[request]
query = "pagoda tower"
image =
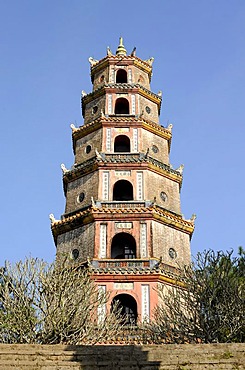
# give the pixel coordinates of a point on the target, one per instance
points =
(122, 217)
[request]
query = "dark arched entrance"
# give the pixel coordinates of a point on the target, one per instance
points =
(128, 306)
(121, 76)
(123, 191)
(123, 246)
(122, 106)
(122, 144)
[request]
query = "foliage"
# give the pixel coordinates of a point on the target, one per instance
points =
(58, 303)
(208, 306)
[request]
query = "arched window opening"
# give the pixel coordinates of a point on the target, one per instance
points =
(121, 76)
(122, 106)
(128, 307)
(123, 191)
(123, 246)
(122, 144)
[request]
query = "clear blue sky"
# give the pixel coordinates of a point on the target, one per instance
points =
(199, 51)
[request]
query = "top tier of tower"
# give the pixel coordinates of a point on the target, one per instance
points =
(121, 86)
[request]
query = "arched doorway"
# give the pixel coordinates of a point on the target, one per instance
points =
(121, 76)
(123, 191)
(123, 246)
(122, 144)
(128, 306)
(122, 106)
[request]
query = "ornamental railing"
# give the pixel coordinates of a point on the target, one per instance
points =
(135, 264)
(126, 263)
(121, 204)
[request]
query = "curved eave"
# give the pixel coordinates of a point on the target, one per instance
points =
(94, 213)
(149, 276)
(114, 59)
(115, 88)
(91, 166)
(150, 126)
(94, 164)
(84, 130)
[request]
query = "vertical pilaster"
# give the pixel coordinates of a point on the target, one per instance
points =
(145, 299)
(143, 240)
(103, 237)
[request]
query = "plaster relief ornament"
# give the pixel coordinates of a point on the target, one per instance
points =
(193, 217)
(92, 61)
(150, 61)
(147, 153)
(133, 52)
(63, 167)
(180, 169)
(98, 156)
(52, 218)
(170, 126)
(73, 127)
(109, 52)
(93, 202)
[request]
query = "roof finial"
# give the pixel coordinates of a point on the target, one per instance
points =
(121, 49)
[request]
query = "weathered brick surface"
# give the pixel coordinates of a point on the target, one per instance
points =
(88, 185)
(153, 141)
(153, 115)
(153, 357)
(93, 139)
(165, 237)
(81, 238)
(154, 184)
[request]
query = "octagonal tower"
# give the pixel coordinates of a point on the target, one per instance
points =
(123, 216)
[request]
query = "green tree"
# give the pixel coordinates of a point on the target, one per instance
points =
(207, 304)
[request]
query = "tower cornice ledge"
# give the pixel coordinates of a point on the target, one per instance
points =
(114, 87)
(131, 160)
(107, 213)
(106, 121)
(127, 59)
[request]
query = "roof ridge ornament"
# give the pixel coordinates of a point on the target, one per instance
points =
(109, 52)
(150, 61)
(121, 49)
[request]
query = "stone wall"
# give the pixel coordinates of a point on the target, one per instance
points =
(151, 357)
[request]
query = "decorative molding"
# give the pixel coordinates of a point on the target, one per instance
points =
(105, 185)
(108, 139)
(102, 306)
(143, 240)
(103, 237)
(124, 225)
(135, 140)
(109, 107)
(140, 190)
(145, 303)
(122, 173)
(123, 286)
(132, 104)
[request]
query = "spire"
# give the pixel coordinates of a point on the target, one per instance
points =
(121, 49)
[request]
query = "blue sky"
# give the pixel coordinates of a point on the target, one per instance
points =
(199, 51)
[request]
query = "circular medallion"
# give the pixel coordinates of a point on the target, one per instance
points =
(88, 149)
(148, 110)
(95, 109)
(155, 149)
(75, 254)
(172, 253)
(80, 197)
(163, 196)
